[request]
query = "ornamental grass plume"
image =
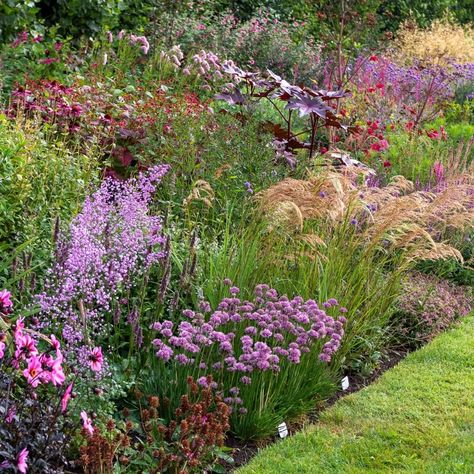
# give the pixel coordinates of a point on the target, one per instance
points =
(429, 223)
(110, 246)
(443, 43)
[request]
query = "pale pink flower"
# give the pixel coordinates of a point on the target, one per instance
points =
(54, 342)
(10, 414)
(2, 349)
(54, 372)
(18, 329)
(87, 423)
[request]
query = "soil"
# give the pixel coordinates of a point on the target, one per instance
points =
(243, 452)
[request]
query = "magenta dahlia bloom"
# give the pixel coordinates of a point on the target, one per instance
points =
(6, 304)
(96, 359)
(21, 465)
(66, 397)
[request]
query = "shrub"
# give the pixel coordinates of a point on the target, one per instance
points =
(263, 41)
(32, 56)
(15, 16)
(81, 17)
(428, 306)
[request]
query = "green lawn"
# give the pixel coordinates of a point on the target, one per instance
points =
(418, 418)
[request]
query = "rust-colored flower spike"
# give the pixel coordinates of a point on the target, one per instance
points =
(185, 403)
(145, 414)
(138, 395)
(110, 425)
(371, 19)
(184, 425)
(154, 401)
(124, 460)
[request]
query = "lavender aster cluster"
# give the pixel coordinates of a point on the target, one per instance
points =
(243, 336)
(113, 241)
(406, 87)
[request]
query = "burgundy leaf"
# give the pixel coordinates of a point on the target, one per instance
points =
(235, 98)
(309, 105)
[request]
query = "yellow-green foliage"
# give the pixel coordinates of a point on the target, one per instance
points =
(39, 180)
(442, 42)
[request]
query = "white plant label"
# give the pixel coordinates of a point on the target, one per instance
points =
(283, 430)
(345, 383)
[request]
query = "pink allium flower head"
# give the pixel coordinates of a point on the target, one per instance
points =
(87, 423)
(2, 349)
(21, 461)
(66, 397)
(96, 359)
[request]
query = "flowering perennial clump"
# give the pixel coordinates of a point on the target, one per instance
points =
(111, 242)
(34, 400)
(243, 336)
(429, 305)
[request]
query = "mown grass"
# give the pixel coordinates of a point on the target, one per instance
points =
(417, 418)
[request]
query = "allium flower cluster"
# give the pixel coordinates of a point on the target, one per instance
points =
(243, 336)
(113, 241)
